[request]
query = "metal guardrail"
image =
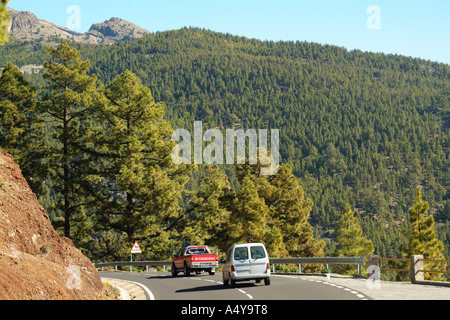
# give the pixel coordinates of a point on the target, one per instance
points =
(327, 260)
(300, 261)
(319, 260)
(133, 264)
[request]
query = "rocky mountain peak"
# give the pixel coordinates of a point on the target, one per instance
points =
(26, 26)
(118, 29)
(22, 20)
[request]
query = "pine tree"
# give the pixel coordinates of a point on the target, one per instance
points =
(138, 186)
(349, 235)
(68, 101)
(4, 19)
(288, 230)
(248, 221)
(82, 232)
(350, 239)
(205, 215)
(290, 212)
(21, 132)
(423, 239)
(17, 109)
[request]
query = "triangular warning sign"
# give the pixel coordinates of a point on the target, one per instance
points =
(136, 248)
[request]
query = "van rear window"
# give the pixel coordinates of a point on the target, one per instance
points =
(257, 252)
(241, 253)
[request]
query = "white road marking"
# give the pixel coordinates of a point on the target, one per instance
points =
(362, 297)
(359, 295)
(283, 276)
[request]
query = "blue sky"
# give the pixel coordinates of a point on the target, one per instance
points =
(410, 28)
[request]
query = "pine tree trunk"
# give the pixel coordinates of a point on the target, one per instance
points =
(66, 177)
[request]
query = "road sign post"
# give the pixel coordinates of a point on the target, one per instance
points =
(135, 249)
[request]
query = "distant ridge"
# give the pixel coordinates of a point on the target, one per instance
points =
(26, 26)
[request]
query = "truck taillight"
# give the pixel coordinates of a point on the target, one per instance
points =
(267, 266)
(232, 268)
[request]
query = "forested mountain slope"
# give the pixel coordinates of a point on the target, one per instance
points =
(359, 128)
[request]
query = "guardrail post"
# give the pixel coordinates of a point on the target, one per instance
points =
(360, 265)
(416, 267)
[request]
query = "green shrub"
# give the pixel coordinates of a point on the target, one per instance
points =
(45, 249)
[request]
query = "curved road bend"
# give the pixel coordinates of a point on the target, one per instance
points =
(205, 287)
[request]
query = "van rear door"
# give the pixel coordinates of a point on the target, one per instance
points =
(241, 260)
(258, 259)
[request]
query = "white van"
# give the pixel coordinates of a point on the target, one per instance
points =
(245, 262)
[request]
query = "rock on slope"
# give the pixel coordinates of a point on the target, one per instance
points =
(35, 261)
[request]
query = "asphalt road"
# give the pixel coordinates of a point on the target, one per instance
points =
(205, 287)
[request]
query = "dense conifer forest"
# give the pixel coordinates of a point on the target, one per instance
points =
(359, 130)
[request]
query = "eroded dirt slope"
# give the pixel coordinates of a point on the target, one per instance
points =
(35, 262)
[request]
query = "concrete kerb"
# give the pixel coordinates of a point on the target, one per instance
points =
(130, 290)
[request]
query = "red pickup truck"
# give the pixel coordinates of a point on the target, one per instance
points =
(195, 259)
